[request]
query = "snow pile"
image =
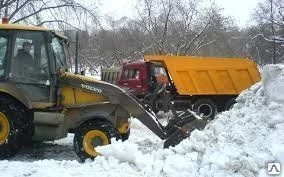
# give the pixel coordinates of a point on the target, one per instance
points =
(273, 81)
(239, 142)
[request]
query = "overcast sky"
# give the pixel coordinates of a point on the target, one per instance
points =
(240, 10)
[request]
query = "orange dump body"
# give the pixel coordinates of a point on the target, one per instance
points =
(208, 76)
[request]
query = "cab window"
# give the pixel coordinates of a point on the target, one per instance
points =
(3, 53)
(58, 51)
(67, 57)
(29, 58)
(130, 74)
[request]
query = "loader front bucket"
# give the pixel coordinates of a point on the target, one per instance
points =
(178, 128)
(186, 127)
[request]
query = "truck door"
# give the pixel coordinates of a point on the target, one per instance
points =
(131, 79)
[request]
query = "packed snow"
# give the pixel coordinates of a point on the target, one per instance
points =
(239, 142)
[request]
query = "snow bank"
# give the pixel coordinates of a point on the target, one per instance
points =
(239, 142)
(273, 81)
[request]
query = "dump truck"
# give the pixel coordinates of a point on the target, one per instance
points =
(41, 99)
(205, 85)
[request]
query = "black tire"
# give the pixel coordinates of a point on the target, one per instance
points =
(99, 132)
(229, 104)
(206, 107)
(125, 136)
(20, 127)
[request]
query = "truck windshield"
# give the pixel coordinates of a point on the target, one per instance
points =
(160, 70)
(3, 53)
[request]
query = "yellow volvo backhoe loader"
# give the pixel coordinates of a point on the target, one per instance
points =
(41, 100)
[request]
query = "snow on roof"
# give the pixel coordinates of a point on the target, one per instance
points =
(22, 27)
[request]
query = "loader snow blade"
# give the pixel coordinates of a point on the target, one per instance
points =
(178, 128)
(176, 138)
(185, 131)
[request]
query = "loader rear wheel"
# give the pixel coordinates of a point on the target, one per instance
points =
(4, 128)
(15, 127)
(90, 135)
(206, 107)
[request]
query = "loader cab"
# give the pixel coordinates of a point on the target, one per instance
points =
(30, 58)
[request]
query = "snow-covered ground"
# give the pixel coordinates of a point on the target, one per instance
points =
(239, 142)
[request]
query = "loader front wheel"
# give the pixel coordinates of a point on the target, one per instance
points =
(91, 135)
(206, 107)
(15, 127)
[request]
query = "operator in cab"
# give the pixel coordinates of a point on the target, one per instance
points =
(24, 60)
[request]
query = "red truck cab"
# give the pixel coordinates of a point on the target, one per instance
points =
(137, 77)
(134, 77)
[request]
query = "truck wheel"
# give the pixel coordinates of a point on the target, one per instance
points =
(15, 127)
(90, 135)
(229, 104)
(206, 107)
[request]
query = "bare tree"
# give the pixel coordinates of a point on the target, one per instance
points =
(175, 27)
(39, 12)
(179, 27)
(268, 34)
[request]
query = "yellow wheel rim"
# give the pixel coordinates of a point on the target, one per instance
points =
(93, 139)
(4, 128)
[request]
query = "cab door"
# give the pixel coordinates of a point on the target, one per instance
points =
(34, 79)
(59, 56)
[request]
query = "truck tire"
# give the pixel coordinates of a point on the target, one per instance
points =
(229, 104)
(90, 135)
(206, 107)
(16, 127)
